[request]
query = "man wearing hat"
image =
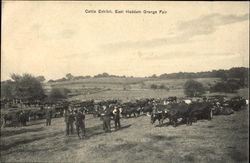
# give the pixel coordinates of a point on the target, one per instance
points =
(69, 120)
(80, 124)
(105, 116)
(116, 113)
(48, 116)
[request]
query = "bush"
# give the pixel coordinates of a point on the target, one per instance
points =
(58, 93)
(193, 88)
(162, 86)
(229, 86)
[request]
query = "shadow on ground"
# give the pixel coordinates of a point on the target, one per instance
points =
(27, 139)
(21, 131)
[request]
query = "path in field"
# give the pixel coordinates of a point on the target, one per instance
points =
(224, 139)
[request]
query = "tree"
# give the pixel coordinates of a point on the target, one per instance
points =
(69, 76)
(229, 86)
(41, 78)
(103, 75)
(58, 94)
(153, 76)
(7, 90)
(193, 88)
(27, 88)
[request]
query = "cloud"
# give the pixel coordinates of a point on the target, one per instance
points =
(208, 24)
(185, 31)
(177, 55)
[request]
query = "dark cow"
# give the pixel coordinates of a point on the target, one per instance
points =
(172, 99)
(142, 102)
(89, 106)
(176, 111)
(147, 109)
(173, 112)
(129, 109)
(222, 109)
(199, 110)
(237, 103)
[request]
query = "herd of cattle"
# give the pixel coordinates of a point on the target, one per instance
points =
(176, 110)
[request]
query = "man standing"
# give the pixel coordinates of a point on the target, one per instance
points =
(22, 118)
(69, 120)
(80, 124)
(116, 113)
(48, 116)
(106, 119)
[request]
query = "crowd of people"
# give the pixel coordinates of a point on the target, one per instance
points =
(77, 116)
(113, 110)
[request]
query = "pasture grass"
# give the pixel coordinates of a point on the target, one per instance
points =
(224, 139)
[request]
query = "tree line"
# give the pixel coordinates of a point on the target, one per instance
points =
(69, 77)
(235, 72)
(29, 89)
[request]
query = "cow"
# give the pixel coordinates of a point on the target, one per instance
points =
(237, 103)
(172, 99)
(176, 111)
(222, 109)
(127, 112)
(129, 109)
(226, 110)
(147, 109)
(173, 112)
(188, 101)
(199, 110)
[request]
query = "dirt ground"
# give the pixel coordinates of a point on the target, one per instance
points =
(224, 139)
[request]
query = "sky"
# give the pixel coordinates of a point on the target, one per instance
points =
(56, 38)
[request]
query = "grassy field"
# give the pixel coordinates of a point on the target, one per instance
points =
(129, 83)
(224, 139)
(125, 88)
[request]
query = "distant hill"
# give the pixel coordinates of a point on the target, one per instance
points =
(235, 72)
